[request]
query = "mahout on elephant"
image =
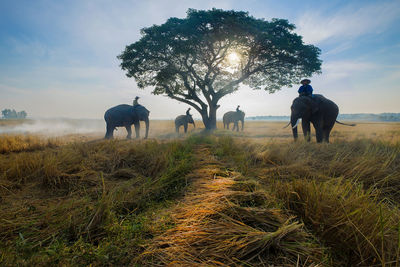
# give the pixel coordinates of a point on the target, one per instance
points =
(234, 117)
(124, 116)
(319, 111)
(184, 120)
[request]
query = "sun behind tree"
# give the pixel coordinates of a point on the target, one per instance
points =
(207, 55)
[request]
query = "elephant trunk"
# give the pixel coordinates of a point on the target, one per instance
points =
(146, 121)
(242, 124)
(294, 122)
(194, 125)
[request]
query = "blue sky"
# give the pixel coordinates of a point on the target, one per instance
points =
(58, 58)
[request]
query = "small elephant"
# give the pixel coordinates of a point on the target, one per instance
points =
(318, 110)
(183, 120)
(125, 116)
(233, 117)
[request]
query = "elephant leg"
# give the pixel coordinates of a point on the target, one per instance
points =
(227, 125)
(305, 124)
(326, 133)
(185, 126)
(176, 128)
(234, 126)
(237, 126)
(109, 132)
(319, 134)
(129, 130)
(319, 130)
(137, 129)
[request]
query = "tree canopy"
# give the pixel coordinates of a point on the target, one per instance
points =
(207, 55)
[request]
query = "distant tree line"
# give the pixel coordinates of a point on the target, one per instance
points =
(351, 117)
(12, 114)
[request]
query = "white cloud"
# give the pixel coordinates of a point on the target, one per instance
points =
(349, 22)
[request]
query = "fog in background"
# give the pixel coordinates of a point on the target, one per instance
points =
(55, 127)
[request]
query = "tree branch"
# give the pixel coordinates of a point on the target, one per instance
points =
(171, 95)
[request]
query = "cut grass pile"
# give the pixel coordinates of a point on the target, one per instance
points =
(220, 222)
(87, 203)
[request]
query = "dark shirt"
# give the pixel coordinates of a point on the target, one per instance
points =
(305, 90)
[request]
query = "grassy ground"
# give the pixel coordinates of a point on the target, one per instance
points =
(247, 198)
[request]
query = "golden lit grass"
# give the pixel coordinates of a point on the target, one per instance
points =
(352, 221)
(215, 224)
(101, 202)
(85, 194)
(13, 122)
(17, 143)
(346, 193)
(261, 131)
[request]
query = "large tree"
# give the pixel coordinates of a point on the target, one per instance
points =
(207, 55)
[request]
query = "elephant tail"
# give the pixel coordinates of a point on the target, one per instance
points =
(353, 124)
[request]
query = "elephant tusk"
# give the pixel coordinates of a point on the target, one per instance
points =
(286, 125)
(297, 123)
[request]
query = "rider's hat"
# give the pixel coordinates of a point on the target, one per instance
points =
(307, 81)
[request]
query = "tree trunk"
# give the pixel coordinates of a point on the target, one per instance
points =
(210, 118)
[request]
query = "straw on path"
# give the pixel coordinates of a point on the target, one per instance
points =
(218, 225)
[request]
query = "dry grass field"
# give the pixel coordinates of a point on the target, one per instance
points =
(252, 198)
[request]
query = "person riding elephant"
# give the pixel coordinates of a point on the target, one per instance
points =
(234, 117)
(318, 110)
(305, 89)
(184, 120)
(135, 102)
(124, 116)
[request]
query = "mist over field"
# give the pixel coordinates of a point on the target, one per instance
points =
(54, 127)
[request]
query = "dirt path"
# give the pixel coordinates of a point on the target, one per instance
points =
(223, 221)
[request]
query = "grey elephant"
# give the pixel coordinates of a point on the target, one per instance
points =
(318, 110)
(233, 117)
(125, 116)
(183, 120)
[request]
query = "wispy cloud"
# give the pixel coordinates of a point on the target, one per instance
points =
(345, 68)
(348, 22)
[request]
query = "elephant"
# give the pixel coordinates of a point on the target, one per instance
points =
(235, 117)
(183, 120)
(318, 110)
(124, 116)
